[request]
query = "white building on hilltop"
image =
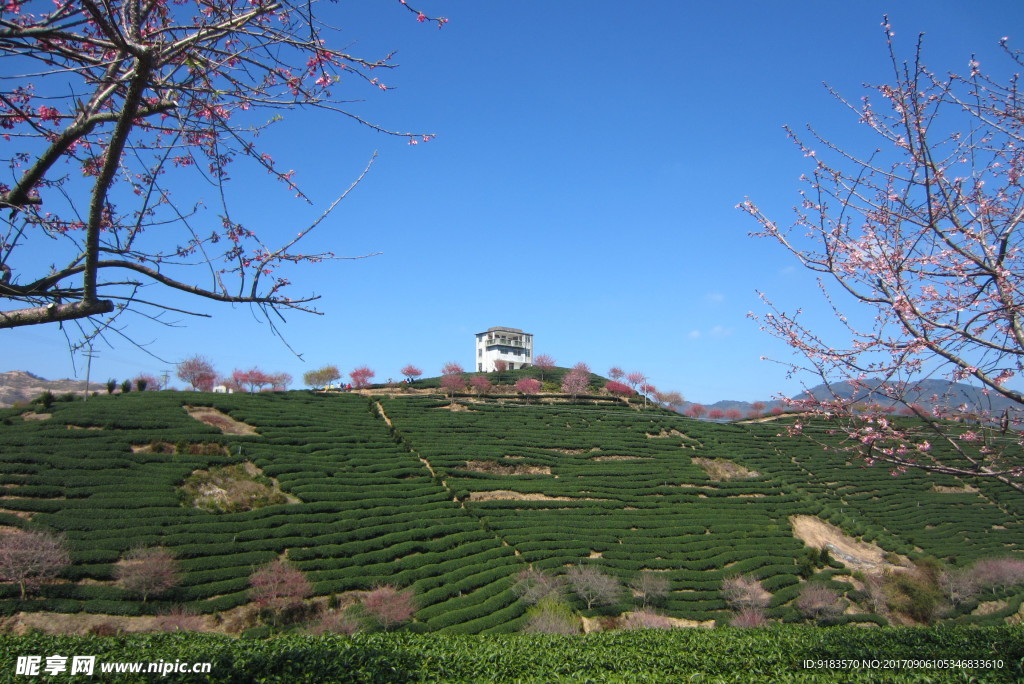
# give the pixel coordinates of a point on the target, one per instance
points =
(510, 345)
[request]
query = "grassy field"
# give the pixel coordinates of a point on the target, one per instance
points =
(790, 653)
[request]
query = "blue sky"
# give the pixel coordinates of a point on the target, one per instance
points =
(582, 187)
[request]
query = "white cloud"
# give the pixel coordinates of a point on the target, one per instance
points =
(714, 298)
(715, 332)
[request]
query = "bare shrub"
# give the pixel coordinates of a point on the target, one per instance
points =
(534, 585)
(744, 591)
(552, 616)
(748, 618)
(278, 589)
(148, 572)
(104, 629)
(646, 619)
(818, 601)
(650, 587)
(338, 622)
(180, 619)
(959, 585)
(31, 559)
(998, 574)
(915, 594)
(594, 586)
(388, 605)
(874, 586)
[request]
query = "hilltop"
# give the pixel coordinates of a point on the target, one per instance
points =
(21, 386)
(454, 504)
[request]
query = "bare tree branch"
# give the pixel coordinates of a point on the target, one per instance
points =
(923, 234)
(139, 94)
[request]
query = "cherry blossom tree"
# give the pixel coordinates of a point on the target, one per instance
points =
(279, 381)
(389, 605)
(618, 389)
(481, 384)
(31, 559)
(716, 414)
(109, 107)
(253, 379)
(616, 373)
(916, 244)
(648, 390)
(635, 379)
(231, 384)
(279, 588)
(757, 409)
(452, 368)
(197, 371)
(452, 379)
(361, 377)
(733, 414)
(545, 362)
(528, 387)
(696, 411)
(452, 383)
(411, 372)
(148, 571)
(575, 382)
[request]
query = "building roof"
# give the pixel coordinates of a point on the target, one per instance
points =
(500, 328)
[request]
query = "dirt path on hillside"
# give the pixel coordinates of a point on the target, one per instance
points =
(222, 421)
(853, 553)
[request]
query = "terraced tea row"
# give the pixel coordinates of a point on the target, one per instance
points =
(454, 504)
(367, 511)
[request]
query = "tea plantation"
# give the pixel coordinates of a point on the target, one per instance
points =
(455, 503)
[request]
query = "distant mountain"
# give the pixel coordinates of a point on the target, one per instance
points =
(927, 393)
(18, 386)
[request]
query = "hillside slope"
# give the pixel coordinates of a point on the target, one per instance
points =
(456, 503)
(19, 386)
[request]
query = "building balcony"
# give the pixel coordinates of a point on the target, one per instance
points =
(506, 342)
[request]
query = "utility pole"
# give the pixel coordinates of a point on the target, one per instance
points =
(167, 375)
(88, 369)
